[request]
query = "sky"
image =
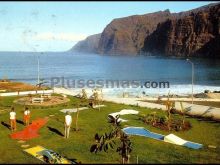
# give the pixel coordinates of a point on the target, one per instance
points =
(57, 26)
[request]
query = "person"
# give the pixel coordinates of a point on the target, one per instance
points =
(13, 119)
(68, 121)
(26, 116)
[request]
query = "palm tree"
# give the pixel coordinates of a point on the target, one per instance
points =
(144, 117)
(39, 85)
(168, 106)
(84, 95)
(107, 140)
(125, 148)
(95, 98)
(183, 113)
(153, 120)
(114, 121)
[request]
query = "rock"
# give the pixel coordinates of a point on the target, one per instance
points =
(191, 33)
(127, 35)
(196, 34)
(90, 44)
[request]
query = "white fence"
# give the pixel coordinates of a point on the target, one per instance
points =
(26, 93)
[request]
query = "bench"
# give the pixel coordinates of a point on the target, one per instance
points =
(37, 100)
(46, 95)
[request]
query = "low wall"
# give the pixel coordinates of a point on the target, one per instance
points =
(26, 93)
(199, 110)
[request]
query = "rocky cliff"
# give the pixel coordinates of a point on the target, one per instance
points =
(127, 35)
(190, 33)
(196, 34)
(90, 44)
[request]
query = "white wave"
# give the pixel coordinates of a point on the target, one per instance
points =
(184, 89)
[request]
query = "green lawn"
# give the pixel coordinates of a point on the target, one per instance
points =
(92, 121)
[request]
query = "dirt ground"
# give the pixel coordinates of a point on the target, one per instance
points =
(54, 100)
(17, 86)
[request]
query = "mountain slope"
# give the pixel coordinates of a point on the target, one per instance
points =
(191, 35)
(90, 44)
(127, 35)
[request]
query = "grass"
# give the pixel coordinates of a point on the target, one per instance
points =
(91, 121)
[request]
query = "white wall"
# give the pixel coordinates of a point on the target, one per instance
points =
(26, 93)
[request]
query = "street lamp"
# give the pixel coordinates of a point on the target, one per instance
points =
(38, 70)
(38, 63)
(192, 76)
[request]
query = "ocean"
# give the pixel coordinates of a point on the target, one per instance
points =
(23, 66)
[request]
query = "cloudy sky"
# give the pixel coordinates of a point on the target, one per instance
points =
(57, 26)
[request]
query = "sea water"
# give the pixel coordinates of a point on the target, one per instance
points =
(23, 66)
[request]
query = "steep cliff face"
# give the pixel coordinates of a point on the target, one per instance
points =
(127, 35)
(196, 34)
(90, 44)
(190, 33)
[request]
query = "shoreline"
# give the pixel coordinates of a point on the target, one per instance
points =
(121, 94)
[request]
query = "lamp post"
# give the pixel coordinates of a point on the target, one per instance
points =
(192, 76)
(38, 70)
(38, 63)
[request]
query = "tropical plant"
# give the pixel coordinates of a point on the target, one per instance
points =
(144, 118)
(95, 98)
(153, 119)
(84, 96)
(162, 119)
(125, 148)
(183, 113)
(107, 140)
(116, 124)
(168, 106)
(39, 85)
(114, 120)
